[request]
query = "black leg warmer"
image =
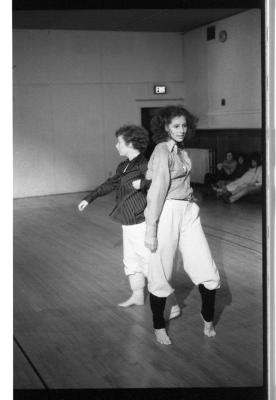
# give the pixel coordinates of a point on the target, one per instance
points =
(208, 303)
(157, 305)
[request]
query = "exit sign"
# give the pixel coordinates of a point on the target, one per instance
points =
(160, 89)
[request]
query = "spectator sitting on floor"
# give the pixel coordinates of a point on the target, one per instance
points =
(250, 182)
(241, 168)
(224, 170)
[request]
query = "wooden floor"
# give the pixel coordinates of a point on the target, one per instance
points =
(68, 278)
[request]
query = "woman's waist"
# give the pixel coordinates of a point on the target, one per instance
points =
(182, 192)
(189, 197)
(177, 175)
(134, 200)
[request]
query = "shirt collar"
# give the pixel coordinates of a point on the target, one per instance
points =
(135, 159)
(171, 144)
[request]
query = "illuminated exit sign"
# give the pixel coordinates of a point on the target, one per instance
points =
(160, 89)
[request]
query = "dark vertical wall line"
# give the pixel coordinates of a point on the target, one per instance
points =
(264, 210)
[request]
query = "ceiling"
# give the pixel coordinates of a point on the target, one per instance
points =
(143, 20)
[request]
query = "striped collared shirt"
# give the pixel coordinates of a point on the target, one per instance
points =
(130, 203)
(169, 171)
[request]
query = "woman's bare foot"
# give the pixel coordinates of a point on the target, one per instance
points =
(209, 329)
(161, 336)
(134, 300)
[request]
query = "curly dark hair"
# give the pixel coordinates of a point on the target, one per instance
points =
(137, 135)
(164, 117)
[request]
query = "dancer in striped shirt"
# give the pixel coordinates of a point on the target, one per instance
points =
(132, 142)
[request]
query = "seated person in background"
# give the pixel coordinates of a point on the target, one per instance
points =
(250, 182)
(241, 169)
(242, 166)
(227, 167)
(224, 170)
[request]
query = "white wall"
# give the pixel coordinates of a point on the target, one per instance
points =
(231, 70)
(72, 90)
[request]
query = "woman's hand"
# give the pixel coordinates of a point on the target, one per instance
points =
(137, 184)
(83, 204)
(151, 243)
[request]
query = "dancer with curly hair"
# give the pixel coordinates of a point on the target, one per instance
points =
(132, 141)
(172, 220)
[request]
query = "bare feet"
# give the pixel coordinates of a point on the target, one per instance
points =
(175, 312)
(209, 329)
(134, 300)
(162, 337)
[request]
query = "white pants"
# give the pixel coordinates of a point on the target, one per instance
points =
(136, 255)
(179, 225)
